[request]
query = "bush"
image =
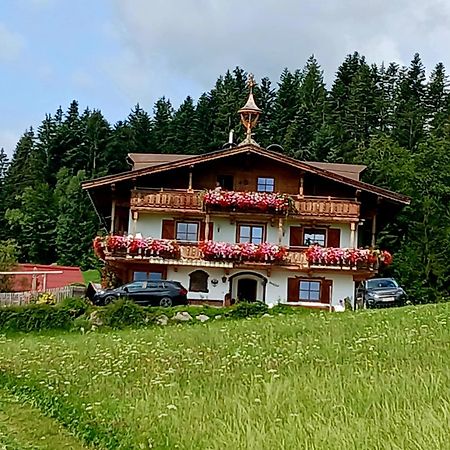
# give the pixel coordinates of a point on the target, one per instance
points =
(123, 313)
(244, 309)
(35, 317)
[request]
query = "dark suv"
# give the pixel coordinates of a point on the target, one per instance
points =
(145, 293)
(380, 292)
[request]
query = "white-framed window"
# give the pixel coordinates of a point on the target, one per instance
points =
(187, 231)
(251, 233)
(309, 290)
(265, 184)
(314, 236)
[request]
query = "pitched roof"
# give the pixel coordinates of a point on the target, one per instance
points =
(248, 148)
(142, 160)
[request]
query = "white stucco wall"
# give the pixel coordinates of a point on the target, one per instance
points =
(276, 286)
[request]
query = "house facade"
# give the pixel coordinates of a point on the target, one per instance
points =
(244, 223)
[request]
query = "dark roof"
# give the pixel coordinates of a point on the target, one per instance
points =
(336, 175)
(142, 160)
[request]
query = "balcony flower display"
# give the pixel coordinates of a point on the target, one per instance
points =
(353, 257)
(242, 252)
(163, 248)
(255, 201)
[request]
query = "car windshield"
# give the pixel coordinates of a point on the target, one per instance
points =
(378, 283)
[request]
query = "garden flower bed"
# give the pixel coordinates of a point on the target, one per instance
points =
(254, 201)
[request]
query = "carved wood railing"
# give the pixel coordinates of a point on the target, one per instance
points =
(184, 200)
(326, 207)
(153, 199)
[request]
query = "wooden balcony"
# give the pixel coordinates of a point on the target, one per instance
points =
(332, 209)
(155, 200)
(191, 255)
(337, 209)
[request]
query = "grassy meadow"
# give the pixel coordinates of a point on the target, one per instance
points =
(375, 379)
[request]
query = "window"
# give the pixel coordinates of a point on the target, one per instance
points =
(226, 182)
(187, 231)
(309, 290)
(251, 233)
(314, 236)
(136, 286)
(147, 276)
(265, 184)
(198, 281)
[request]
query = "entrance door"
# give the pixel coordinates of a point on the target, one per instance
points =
(246, 288)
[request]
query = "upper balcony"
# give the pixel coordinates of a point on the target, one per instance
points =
(230, 202)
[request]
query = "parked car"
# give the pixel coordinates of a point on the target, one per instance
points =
(380, 292)
(156, 293)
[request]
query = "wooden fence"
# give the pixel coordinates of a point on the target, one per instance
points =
(23, 298)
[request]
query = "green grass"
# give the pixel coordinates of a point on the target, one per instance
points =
(375, 379)
(91, 275)
(23, 427)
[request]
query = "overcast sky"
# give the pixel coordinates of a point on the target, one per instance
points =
(111, 54)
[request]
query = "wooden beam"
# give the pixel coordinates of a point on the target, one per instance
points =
(374, 230)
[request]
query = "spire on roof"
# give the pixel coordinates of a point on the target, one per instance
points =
(249, 113)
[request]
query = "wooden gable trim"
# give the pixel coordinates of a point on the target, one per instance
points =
(249, 148)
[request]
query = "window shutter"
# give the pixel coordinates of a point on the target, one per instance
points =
(334, 237)
(293, 292)
(295, 236)
(202, 231)
(211, 231)
(325, 295)
(168, 229)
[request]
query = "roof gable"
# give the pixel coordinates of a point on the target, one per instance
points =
(313, 167)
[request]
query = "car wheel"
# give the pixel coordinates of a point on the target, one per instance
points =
(165, 302)
(109, 299)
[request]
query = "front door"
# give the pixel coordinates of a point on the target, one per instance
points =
(246, 288)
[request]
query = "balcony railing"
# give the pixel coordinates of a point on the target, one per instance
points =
(193, 201)
(235, 255)
(166, 200)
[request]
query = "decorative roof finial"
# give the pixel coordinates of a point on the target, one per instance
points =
(249, 113)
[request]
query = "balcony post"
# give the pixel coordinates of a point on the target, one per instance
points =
(374, 230)
(113, 208)
(190, 179)
(300, 189)
(206, 228)
(135, 219)
(352, 234)
(280, 230)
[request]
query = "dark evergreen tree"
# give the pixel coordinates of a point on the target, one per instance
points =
(437, 99)
(4, 162)
(76, 224)
(410, 113)
(142, 139)
(162, 126)
(185, 128)
(265, 98)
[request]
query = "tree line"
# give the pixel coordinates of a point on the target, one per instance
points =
(393, 119)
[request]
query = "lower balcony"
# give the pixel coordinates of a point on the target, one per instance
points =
(228, 255)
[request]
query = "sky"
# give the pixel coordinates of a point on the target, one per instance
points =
(112, 54)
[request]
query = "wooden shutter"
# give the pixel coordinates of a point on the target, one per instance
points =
(325, 294)
(168, 229)
(334, 237)
(295, 236)
(293, 294)
(201, 236)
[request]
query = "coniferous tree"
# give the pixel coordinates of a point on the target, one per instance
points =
(76, 224)
(410, 113)
(437, 98)
(142, 139)
(162, 129)
(4, 162)
(185, 128)
(265, 98)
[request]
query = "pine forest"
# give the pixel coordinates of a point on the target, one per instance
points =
(395, 120)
